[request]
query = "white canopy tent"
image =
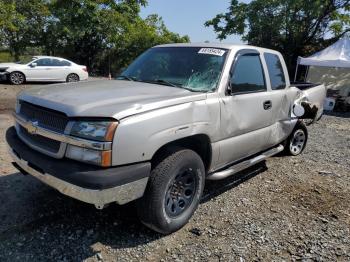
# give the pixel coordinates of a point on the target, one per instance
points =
(336, 55)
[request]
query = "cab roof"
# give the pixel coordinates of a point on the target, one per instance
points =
(218, 45)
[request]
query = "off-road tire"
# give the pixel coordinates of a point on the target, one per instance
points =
(152, 208)
(296, 142)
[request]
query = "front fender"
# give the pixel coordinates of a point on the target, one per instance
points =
(138, 137)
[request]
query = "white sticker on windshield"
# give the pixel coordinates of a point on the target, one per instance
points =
(212, 51)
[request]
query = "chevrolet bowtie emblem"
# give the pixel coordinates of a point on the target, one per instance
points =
(32, 127)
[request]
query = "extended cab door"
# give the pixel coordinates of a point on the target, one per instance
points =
(281, 95)
(246, 109)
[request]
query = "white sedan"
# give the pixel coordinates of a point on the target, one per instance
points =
(44, 69)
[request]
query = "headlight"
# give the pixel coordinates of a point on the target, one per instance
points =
(96, 157)
(94, 130)
(3, 69)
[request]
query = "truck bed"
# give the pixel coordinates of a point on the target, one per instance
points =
(304, 85)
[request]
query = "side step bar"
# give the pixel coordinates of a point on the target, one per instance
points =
(245, 164)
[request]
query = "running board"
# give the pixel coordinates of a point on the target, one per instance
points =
(245, 164)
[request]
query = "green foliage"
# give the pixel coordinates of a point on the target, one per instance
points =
(97, 33)
(294, 27)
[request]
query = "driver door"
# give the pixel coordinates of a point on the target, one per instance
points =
(39, 70)
(246, 109)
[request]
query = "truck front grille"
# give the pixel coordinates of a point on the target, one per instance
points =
(47, 118)
(42, 142)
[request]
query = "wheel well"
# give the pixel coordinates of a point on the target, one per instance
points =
(73, 74)
(198, 143)
(16, 71)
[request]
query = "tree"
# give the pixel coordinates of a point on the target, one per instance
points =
(21, 23)
(97, 33)
(293, 27)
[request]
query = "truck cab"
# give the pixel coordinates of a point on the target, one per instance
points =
(178, 115)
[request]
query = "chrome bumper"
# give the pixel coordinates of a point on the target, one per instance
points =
(120, 194)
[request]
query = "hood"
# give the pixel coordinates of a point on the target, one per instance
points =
(107, 98)
(8, 64)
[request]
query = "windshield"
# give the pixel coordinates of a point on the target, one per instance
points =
(192, 68)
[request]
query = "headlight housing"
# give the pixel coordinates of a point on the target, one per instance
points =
(94, 130)
(91, 156)
(3, 69)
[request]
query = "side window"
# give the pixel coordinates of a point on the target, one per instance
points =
(43, 62)
(55, 62)
(275, 70)
(247, 75)
(64, 63)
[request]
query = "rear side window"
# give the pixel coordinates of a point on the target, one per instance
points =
(64, 63)
(43, 62)
(275, 70)
(247, 75)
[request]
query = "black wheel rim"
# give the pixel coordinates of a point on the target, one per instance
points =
(180, 193)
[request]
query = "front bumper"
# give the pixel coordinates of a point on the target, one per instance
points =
(3, 76)
(87, 183)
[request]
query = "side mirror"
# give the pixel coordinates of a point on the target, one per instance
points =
(298, 110)
(33, 65)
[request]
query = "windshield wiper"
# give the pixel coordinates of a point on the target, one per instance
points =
(165, 82)
(162, 82)
(129, 78)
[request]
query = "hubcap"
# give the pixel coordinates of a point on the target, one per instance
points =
(180, 193)
(297, 142)
(73, 78)
(17, 78)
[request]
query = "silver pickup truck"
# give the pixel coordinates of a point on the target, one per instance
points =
(178, 115)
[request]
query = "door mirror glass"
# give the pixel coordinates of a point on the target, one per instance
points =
(33, 65)
(298, 110)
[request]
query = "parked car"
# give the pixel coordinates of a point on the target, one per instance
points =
(43, 69)
(178, 115)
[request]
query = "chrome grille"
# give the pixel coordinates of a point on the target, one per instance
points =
(45, 143)
(50, 119)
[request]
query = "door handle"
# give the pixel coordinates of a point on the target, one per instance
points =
(267, 105)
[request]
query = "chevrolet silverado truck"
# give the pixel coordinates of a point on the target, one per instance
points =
(178, 115)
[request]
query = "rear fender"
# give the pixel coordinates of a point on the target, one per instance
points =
(312, 100)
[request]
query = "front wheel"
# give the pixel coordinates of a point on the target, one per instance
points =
(296, 142)
(17, 78)
(173, 192)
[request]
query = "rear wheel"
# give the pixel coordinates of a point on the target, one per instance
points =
(296, 142)
(173, 192)
(17, 78)
(72, 78)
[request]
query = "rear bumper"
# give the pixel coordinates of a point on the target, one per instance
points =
(87, 183)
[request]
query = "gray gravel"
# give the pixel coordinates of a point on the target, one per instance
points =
(289, 208)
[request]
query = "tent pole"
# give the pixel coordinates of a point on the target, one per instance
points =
(307, 72)
(296, 71)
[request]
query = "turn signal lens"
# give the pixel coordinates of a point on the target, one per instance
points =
(110, 131)
(106, 158)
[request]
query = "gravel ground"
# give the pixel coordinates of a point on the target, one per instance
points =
(289, 208)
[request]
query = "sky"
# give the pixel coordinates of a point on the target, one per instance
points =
(187, 17)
